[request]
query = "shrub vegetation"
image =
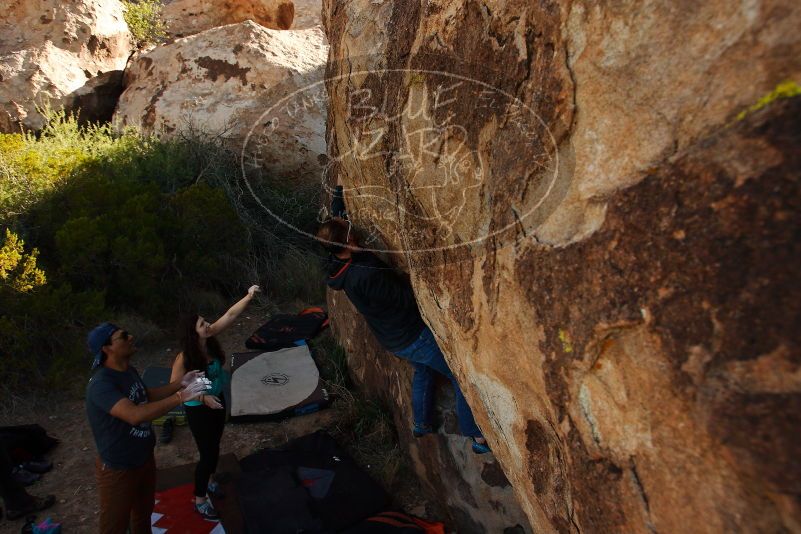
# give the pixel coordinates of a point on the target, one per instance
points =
(144, 21)
(96, 223)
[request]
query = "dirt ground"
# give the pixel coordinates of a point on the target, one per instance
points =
(72, 478)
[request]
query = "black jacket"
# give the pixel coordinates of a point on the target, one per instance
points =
(384, 298)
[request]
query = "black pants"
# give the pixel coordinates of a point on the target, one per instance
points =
(11, 491)
(206, 425)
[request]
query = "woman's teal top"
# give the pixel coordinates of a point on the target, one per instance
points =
(219, 379)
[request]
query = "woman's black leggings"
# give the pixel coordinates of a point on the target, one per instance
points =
(206, 425)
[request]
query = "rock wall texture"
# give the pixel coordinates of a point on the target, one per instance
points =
(222, 81)
(52, 52)
(602, 230)
(188, 17)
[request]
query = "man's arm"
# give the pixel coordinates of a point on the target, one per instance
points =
(108, 397)
(178, 379)
(136, 414)
(162, 392)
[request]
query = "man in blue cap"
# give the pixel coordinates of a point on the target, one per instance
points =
(120, 410)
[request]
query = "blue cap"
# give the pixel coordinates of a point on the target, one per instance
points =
(99, 337)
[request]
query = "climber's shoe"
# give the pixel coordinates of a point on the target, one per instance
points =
(421, 430)
(214, 490)
(480, 448)
(207, 511)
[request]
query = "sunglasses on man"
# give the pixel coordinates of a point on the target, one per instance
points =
(123, 335)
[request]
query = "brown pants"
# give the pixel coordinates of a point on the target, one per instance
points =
(126, 497)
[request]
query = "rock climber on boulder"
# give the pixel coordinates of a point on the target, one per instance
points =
(387, 302)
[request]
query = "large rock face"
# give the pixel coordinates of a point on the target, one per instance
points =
(225, 81)
(51, 52)
(188, 17)
(603, 235)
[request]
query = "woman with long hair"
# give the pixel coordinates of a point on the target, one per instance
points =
(200, 350)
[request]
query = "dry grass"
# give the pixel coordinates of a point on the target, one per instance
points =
(363, 426)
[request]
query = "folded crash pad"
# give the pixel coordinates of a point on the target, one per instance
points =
(314, 478)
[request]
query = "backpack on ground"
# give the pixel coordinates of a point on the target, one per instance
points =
(396, 523)
(283, 330)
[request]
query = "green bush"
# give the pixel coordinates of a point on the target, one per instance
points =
(144, 21)
(37, 328)
(128, 224)
(18, 270)
(31, 167)
(122, 223)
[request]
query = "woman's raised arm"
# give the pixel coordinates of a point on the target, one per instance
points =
(233, 312)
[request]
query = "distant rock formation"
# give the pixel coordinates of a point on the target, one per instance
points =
(51, 53)
(224, 81)
(308, 14)
(188, 17)
(601, 226)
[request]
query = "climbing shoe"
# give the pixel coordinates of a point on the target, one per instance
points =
(40, 466)
(214, 490)
(23, 476)
(421, 430)
(206, 510)
(35, 504)
(166, 431)
(479, 448)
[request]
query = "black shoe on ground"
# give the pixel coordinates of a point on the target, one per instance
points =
(214, 490)
(36, 504)
(38, 466)
(24, 477)
(166, 431)
(207, 511)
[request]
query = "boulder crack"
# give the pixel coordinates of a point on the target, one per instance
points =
(643, 494)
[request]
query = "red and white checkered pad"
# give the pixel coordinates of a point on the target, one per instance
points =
(175, 514)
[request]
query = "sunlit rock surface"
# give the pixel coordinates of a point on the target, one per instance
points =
(188, 17)
(230, 82)
(55, 53)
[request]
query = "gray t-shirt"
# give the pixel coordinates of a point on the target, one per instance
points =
(120, 445)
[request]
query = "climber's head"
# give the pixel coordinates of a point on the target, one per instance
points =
(337, 237)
